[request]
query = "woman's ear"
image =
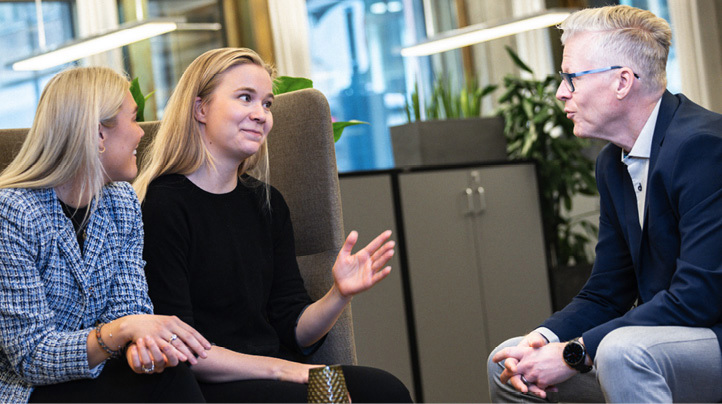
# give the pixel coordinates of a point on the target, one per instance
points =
(101, 138)
(199, 110)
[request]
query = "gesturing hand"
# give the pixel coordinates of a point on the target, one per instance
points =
(355, 273)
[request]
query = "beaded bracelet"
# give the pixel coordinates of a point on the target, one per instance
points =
(112, 353)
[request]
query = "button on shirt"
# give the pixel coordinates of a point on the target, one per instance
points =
(637, 161)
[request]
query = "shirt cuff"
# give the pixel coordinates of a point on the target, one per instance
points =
(548, 334)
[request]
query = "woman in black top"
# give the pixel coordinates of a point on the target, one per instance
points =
(219, 242)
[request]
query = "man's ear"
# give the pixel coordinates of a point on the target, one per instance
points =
(625, 82)
(199, 110)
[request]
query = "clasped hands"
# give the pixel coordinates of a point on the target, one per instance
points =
(157, 342)
(534, 366)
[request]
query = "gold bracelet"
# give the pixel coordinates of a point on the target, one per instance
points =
(112, 353)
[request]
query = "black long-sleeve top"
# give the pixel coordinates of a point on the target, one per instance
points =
(224, 263)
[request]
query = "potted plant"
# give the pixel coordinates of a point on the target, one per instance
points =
(452, 130)
(537, 129)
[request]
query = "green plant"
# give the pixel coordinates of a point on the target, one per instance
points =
(139, 98)
(284, 84)
(445, 104)
(537, 129)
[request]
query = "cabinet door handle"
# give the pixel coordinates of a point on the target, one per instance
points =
(482, 200)
(470, 201)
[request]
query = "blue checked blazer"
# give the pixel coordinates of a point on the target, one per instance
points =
(50, 296)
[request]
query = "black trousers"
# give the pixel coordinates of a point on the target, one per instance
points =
(365, 385)
(118, 383)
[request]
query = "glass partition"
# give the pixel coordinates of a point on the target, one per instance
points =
(158, 62)
(356, 63)
(170, 54)
(20, 91)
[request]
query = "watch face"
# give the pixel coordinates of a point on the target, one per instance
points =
(573, 353)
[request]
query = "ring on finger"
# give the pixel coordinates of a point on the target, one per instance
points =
(172, 338)
(150, 369)
(523, 379)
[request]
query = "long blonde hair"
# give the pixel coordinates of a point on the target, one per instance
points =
(63, 143)
(629, 36)
(178, 147)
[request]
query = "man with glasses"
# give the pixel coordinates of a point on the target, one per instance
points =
(647, 325)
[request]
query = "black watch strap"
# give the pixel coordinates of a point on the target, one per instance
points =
(583, 368)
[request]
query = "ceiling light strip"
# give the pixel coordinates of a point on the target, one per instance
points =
(126, 34)
(477, 33)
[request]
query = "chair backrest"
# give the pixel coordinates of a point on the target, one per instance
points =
(303, 167)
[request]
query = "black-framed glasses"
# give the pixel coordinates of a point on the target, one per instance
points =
(569, 76)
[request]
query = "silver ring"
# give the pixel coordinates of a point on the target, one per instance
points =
(172, 338)
(523, 379)
(148, 370)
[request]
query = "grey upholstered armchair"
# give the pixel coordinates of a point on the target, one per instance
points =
(303, 168)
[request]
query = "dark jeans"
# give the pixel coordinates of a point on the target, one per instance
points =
(118, 383)
(365, 385)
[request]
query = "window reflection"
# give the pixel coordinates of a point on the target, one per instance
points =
(356, 63)
(158, 62)
(19, 38)
(172, 53)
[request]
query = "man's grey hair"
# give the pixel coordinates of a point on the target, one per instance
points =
(628, 36)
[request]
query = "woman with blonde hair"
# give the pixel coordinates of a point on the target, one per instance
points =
(72, 289)
(220, 248)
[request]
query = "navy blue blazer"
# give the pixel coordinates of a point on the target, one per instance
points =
(673, 266)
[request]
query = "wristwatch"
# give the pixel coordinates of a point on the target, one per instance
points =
(575, 355)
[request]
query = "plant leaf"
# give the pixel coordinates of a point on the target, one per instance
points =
(407, 109)
(517, 60)
(415, 102)
(338, 127)
(285, 84)
(488, 90)
(139, 98)
(464, 107)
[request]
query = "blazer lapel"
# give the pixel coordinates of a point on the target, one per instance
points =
(94, 244)
(66, 241)
(667, 109)
(631, 215)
